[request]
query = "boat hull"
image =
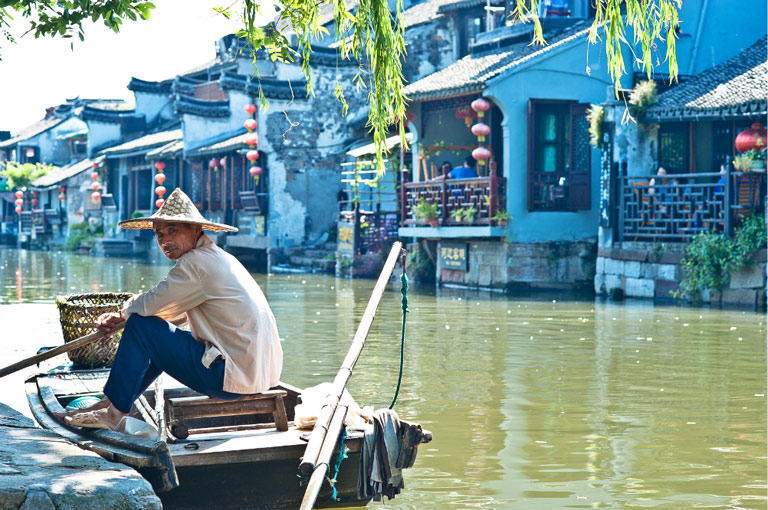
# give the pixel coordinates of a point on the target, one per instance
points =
(229, 466)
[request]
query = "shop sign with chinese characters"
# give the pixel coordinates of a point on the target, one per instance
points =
(346, 238)
(453, 256)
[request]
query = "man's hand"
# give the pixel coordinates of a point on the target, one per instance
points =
(108, 322)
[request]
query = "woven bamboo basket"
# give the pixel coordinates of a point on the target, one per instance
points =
(78, 314)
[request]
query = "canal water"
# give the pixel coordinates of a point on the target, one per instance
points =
(534, 404)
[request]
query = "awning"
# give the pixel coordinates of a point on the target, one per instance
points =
(367, 150)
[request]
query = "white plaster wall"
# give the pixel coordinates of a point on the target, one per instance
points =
(100, 134)
(153, 106)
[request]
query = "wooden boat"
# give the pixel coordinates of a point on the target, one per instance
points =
(238, 462)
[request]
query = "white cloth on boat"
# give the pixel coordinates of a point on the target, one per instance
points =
(379, 474)
(139, 428)
(226, 310)
(312, 400)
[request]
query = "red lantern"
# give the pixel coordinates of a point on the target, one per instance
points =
(34, 202)
(19, 202)
(95, 165)
(480, 105)
(160, 190)
(62, 189)
(481, 130)
(95, 185)
(95, 175)
(252, 139)
(255, 170)
(62, 196)
(18, 210)
(19, 194)
(223, 162)
(250, 124)
(160, 166)
(96, 195)
(159, 203)
(159, 178)
(481, 154)
(252, 155)
(213, 163)
(751, 138)
(250, 109)
(34, 193)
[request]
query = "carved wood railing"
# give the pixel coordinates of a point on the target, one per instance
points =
(486, 194)
(684, 205)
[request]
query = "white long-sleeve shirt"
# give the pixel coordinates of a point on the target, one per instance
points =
(226, 310)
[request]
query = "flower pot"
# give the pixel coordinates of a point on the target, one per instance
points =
(757, 165)
(434, 222)
(501, 223)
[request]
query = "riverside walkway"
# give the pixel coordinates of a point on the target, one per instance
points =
(41, 471)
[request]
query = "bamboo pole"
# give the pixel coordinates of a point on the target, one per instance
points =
(69, 346)
(323, 461)
(321, 430)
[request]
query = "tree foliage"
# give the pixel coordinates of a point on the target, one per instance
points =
(21, 174)
(370, 35)
(650, 21)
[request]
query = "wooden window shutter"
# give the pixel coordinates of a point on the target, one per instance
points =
(531, 156)
(580, 175)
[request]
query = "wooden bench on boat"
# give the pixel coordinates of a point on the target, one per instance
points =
(182, 409)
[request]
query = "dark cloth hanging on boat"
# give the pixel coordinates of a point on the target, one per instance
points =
(389, 446)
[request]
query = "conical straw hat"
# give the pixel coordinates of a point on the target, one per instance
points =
(178, 208)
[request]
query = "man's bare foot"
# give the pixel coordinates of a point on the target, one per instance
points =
(106, 418)
(98, 405)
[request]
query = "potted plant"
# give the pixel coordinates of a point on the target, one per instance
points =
(757, 157)
(469, 214)
(501, 218)
(742, 162)
(426, 211)
(457, 214)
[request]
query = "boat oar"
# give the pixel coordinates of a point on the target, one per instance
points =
(327, 430)
(69, 346)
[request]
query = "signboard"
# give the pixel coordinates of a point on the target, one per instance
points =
(606, 177)
(259, 225)
(346, 237)
(453, 256)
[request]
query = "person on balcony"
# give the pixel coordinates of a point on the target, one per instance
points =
(463, 172)
(663, 191)
(232, 348)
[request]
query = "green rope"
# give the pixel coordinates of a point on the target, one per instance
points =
(404, 292)
(334, 471)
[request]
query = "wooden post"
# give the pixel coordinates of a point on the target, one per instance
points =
(323, 460)
(493, 193)
(620, 213)
(444, 198)
(403, 195)
(728, 190)
(321, 430)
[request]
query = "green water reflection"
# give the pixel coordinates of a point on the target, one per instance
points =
(533, 404)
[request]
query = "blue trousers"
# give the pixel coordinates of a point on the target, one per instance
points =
(150, 346)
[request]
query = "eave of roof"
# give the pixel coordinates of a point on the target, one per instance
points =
(734, 89)
(219, 145)
(33, 130)
(474, 72)
(66, 172)
(143, 144)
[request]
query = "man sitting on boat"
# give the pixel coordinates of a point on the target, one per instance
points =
(233, 347)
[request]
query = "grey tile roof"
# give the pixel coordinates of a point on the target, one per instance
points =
(737, 87)
(144, 143)
(425, 12)
(170, 150)
(218, 145)
(61, 174)
(471, 73)
(32, 130)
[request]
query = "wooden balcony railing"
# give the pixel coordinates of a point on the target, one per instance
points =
(486, 194)
(686, 204)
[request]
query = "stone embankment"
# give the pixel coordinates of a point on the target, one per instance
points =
(41, 471)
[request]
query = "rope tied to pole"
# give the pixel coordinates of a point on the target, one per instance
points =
(404, 305)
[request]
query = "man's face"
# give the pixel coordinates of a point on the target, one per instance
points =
(176, 239)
